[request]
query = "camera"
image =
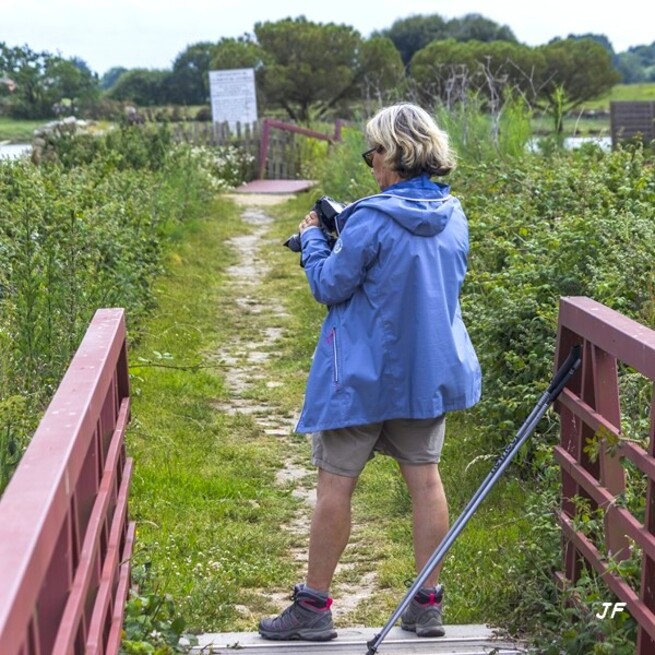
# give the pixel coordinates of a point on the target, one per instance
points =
(327, 209)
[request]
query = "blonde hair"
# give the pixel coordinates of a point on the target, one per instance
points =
(411, 141)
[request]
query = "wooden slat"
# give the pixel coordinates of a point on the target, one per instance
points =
(639, 611)
(75, 607)
(631, 526)
(591, 406)
(111, 570)
(115, 632)
(637, 455)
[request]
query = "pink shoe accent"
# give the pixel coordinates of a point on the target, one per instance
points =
(309, 603)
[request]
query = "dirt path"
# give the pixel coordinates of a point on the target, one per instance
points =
(242, 360)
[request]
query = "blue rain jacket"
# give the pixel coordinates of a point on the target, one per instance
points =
(393, 344)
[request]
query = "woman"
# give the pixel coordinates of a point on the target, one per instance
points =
(392, 359)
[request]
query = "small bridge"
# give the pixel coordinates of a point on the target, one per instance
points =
(462, 639)
(66, 542)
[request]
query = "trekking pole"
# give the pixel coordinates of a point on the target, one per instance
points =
(558, 383)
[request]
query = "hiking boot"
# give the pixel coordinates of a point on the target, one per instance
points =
(308, 618)
(424, 615)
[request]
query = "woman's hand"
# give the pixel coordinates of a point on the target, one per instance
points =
(311, 220)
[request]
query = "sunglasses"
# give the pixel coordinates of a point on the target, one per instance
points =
(368, 155)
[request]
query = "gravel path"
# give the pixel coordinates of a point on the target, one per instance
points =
(242, 360)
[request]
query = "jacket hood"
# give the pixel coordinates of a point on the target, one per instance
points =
(419, 205)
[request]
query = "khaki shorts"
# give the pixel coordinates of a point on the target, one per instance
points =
(409, 441)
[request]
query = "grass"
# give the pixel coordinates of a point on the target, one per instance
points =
(204, 494)
(574, 125)
(577, 124)
(17, 131)
(621, 92)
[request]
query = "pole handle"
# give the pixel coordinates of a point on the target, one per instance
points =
(564, 374)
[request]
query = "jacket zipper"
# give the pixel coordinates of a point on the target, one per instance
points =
(335, 357)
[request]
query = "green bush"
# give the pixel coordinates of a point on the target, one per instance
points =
(573, 224)
(76, 234)
(560, 620)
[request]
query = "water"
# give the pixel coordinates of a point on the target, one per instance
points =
(604, 142)
(573, 142)
(14, 150)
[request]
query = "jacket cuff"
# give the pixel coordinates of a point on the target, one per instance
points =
(311, 233)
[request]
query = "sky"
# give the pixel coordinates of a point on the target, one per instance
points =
(151, 33)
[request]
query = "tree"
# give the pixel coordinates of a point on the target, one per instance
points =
(381, 69)
(412, 34)
(312, 68)
(242, 52)
(310, 63)
(69, 85)
(599, 38)
(25, 68)
(556, 77)
(638, 64)
(43, 81)
(449, 71)
(110, 78)
(630, 67)
(189, 82)
(83, 66)
(475, 27)
(144, 87)
(573, 72)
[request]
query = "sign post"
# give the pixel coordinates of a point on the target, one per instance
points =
(233, 96)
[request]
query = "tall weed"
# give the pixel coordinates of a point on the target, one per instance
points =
(480, 137)
(82, 230)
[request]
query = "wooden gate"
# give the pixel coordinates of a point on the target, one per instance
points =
(272, 143)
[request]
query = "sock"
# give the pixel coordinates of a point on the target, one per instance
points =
(320, 594)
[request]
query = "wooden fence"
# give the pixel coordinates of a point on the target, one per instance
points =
(631, 120)
(245, 136)
(274, 145)
(65, 541)
(590, 408)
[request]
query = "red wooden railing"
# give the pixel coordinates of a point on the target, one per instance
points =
(591, 406)
(269, 124)
(65, 541)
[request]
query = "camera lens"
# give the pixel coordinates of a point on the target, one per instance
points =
(293, 243)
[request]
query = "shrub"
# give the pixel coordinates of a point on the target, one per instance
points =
(575, 223)
(84, 232)
(204, 114)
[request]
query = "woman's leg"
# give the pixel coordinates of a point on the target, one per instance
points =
(429, 513)
(330, 528)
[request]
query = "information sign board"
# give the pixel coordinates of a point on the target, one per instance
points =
(233, 96)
